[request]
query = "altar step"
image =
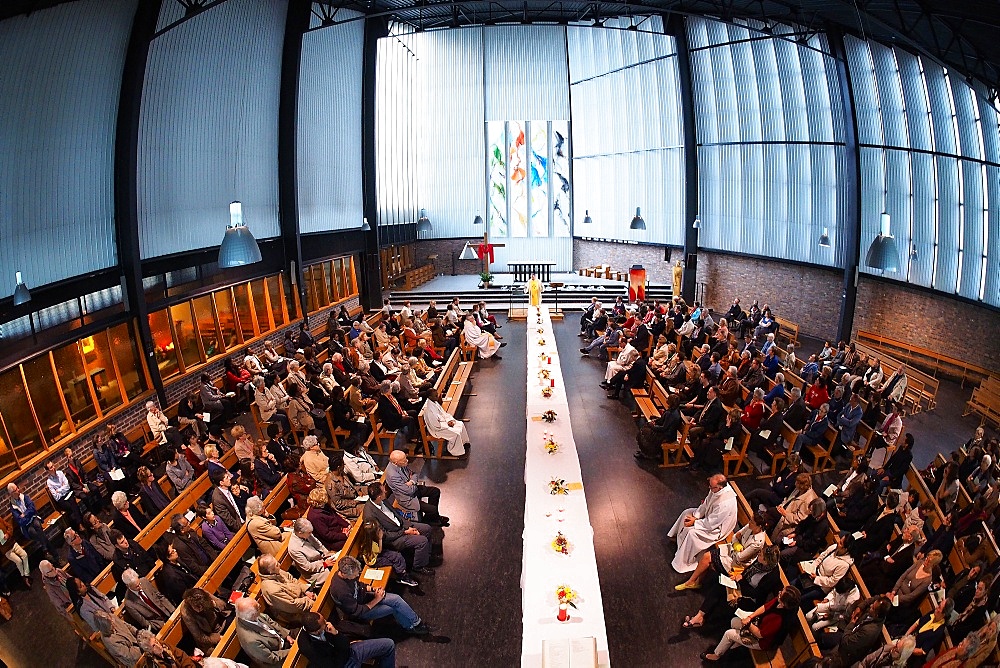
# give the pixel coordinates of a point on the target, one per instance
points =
(571, 297)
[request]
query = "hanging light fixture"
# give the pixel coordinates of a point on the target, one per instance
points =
(238, 246)
(697, 222)
(468, 253)
(365, 227)
(637, 222)
(883, 254)
(21, 294)
(587, 220)
(423, 222)
(824, 239)
(913, 251)
(478, 220)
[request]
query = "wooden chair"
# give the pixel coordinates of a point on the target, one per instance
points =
(737, 457)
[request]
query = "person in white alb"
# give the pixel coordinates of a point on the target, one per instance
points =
(441, 424)
(699, 528)
(486, 343)
(626, 358)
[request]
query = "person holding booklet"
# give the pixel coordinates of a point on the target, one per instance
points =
(820, 575)
(765, 628)
(748, 589)
(733, 554)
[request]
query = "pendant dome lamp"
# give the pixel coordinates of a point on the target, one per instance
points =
(468, 253)
(824, 239)
(238, 247)
(883, 254)
(423, 222)
(21, 294)
(587, 220)
(637, 222)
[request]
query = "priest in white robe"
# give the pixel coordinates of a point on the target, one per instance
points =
(699, 528)
(441, 424)
(474, 336)
(626, 358)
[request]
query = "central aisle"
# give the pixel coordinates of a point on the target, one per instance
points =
(546, 515)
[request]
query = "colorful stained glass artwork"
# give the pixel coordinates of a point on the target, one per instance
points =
(538, 178)
(518, 165)
(562, 190)
(497, 133)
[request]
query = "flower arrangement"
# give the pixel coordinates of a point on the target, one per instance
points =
(542, 357)
(560, 545)
(546, 392)
(566, 595)
(540, 330)
(544, 374)
(541, 341)
(558, 486)
(549, 416)
(551, 447)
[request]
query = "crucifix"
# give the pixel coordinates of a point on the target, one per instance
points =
(485, 250)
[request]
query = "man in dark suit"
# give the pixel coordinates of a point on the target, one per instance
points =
(708, 420)
(815, 429)
(393, 416)
(634, 376)
(193, 551)
(129, 554)
(84, 560)
(797, 414)
(144, 604)
(320, 643)
(224, 503)
(399, 533)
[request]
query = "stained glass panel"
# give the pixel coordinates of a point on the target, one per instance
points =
(561, 206)
(497, 161)
(518, 166)
(538, 178)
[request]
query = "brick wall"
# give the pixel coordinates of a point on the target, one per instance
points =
(443, 248)
(929, 321)
(33, 480)
(623, 256)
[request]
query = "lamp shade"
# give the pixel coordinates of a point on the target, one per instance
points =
(478, 220)
(637, 222)
(883, 254)
(824, 239)
(423, 222)
(238, 246)
(21, 294)
(587, 220)
(697, 222)
(468, 253)
(365, 227)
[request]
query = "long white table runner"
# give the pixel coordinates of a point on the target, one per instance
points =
(545, 514)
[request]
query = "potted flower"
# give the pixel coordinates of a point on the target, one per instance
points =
(486, 278)
(566, 598)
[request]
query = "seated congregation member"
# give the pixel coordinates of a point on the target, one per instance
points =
(632, 378)
(328, 526)
(263, 528)
(821, 574)
(156, 654)
(83, 559)
(360, 602)
(173, 577)
(359, 465)
(316, 463)
(308, 554)
(217, 403)
(145, 606)
(831, 610)
(325, 647)
(808, 537)
(930, 629)
(266, 469)
(150, 492)
(766, 438)
(127, 519)
(709, 456)
(764, 629)
(280, 449)
(887, 433)
(196, 553)
(160, 427)
(399, 533)
(129, 554)
(797, 414)
(756, 584)
(410, 494)
(190, 418)
(782, 484)
(815, 430)
(652, 435)
(441, 424)
(213, 465)
(485, 342)
(213, 529)
(626, 358)
(16, 555)
(119, 637)
(793, 509)
(286, 596)
(852, 482)
(100, 536)
(204, 618)
(242, 443)
(696, 529)
(910, 590)
(708, 420)
(739, 550)
(341, 493)
(881, 569)
(62, 495)
(83, 489)
(265, 641)
(224, 501)
(393, 416)
(373, 554)
(180, 471)
(858, 508)
(880, 527)
(88, 601)
(859, 635)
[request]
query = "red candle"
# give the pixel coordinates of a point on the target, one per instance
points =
(563, 612)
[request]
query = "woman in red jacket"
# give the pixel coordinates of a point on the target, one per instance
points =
(328, 525)
(764, 629)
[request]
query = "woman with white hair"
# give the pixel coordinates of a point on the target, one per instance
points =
(262, 527)
(159, 655)
(326, 377)
(315, 462)
(119, 637)
(893, 654)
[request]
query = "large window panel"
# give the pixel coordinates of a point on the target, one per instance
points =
(186, 331)
(100, 369)
(18, 419)
(946, 270)
(46, 399)
(165, 348)
(244, 311)
(227, 318)
(208, 329)
(74, 382)
(258, 292)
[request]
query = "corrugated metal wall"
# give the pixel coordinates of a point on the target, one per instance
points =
(208, 127)
(628, 136)
(526, 73)
(931, 159)
(397, 94)
(60, 76)
(770, 135)
(328, 146)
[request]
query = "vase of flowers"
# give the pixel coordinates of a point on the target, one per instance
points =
(567, 599)
(549, 416)
(551, 447)
(546, 392)
(558, 486)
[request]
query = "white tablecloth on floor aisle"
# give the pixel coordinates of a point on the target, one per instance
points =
(545, 514)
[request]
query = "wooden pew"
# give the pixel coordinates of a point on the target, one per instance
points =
(935, 360)
(787, 330)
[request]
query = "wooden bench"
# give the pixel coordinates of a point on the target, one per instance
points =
(934, 360)
(985, 402)
(787, 330)
(449, 386)
(418, 276)
(921, 388)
